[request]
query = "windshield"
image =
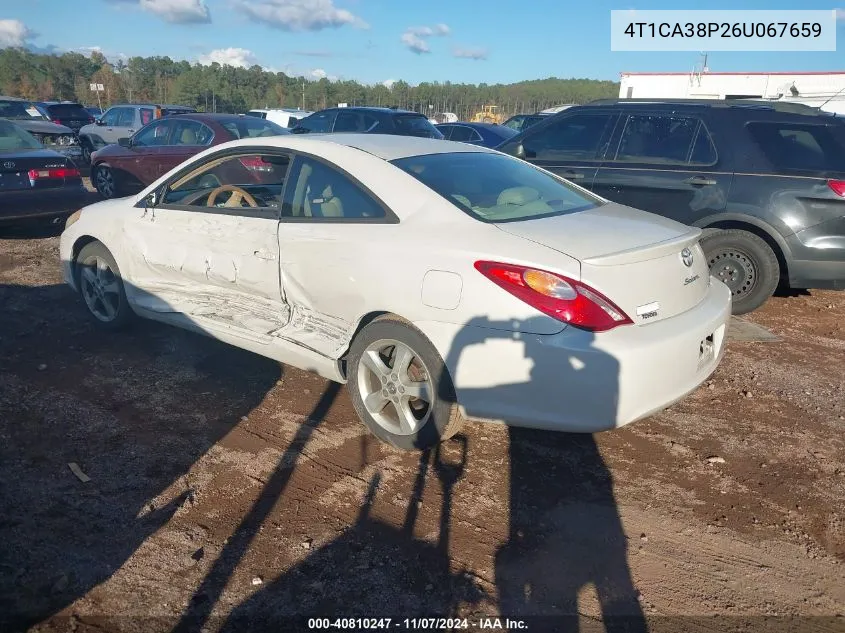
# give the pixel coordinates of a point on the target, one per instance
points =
(496, 188)
(19, 110)
(249, 127)
(416, 125)
(14, 138)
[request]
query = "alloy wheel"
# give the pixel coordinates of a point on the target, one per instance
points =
(100, 288)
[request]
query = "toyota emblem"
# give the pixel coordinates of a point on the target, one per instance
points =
(686, 257)
(8, 164)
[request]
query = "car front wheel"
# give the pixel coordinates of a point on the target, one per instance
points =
(400, 387)
(746, 264)
(101, 287)
(104, 181)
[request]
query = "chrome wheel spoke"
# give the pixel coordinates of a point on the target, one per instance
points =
(109, 309)
(372, 361)
(402, 358)
(89, 275)
(376, 402)
(414, 389)
(111, 287)
(407, 421)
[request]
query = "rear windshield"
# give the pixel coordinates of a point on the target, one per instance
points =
(249, 127)
(167, 111)
(416, 125)
(13, 137)
(496, 188)
(68, 111)
(801, 147)
(20, 110)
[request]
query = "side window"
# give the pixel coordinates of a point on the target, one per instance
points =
(111, 116)
(319, 191)
(703, 150)
(319, 121)
(575, 137)
(659, 139)
(126, 118)
(153, 135)
(147, 115)
(475, 137)
(348, 122)
(461, 133)
(446, 131)
(799, 146)
(186, 132)
(247, 184)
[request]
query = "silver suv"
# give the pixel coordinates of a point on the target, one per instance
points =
(122, 121)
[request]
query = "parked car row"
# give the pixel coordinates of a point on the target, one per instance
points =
(54, 136)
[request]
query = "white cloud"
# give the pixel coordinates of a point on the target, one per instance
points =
(470, 53)
(238, 57)
(388, 83)
(178, 11)
(415, 43)
(414, 38)
(14, 33)
(300, 15)
(175, 11)
(319, 73)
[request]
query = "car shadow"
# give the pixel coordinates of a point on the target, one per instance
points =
(565, 533)
(133, 409)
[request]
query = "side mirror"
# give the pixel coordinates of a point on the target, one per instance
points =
(98, 121)
(151, 200)
(124, 142)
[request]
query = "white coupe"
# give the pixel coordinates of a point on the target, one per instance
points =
(440, 281)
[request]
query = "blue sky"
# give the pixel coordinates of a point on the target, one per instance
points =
(380, 40)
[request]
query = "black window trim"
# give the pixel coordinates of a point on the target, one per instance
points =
(774, 169)
(612, 161)
(267, 212)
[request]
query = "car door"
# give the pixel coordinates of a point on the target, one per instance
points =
(665, 163)
(570, 145)
(146, 150)
(207, 256)
(326, 217)
(109, 120)
(127, 124)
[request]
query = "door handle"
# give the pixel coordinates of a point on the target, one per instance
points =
(700, 180)
(263, 253)
(572, 175)
(130, 130)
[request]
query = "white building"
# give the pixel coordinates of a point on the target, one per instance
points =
(825, 89)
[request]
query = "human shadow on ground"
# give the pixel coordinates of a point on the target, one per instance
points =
(565, 532)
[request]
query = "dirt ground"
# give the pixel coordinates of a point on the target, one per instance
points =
(227, 492)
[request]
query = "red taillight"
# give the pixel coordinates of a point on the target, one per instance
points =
(559, 297)
(256, 163)
(55, 172)
(837, 186)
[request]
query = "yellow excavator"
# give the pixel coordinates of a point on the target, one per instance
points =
(487, 114)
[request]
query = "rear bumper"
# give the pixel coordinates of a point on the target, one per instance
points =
(579, 381)
(34, 204)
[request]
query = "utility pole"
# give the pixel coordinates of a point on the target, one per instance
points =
(303, 94)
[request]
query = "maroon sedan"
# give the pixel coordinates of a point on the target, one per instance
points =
(132, 164)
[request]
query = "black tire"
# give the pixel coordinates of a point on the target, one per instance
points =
(746, 264)
(105, 181)
(441, 419)
(87, 259)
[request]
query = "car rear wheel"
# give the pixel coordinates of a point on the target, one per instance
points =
(101, 287)
(400, 387)
(746, 264)
(105, 182)
(86, 153)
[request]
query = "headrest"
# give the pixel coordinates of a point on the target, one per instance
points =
(518, 195)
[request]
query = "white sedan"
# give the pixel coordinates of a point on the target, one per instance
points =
(440, 281)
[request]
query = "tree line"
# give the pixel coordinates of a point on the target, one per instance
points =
(216, 88)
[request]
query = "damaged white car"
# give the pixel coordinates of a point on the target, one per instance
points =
(440, 281)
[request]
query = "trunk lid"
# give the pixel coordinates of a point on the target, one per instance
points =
(15, 166)
(648, 265)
